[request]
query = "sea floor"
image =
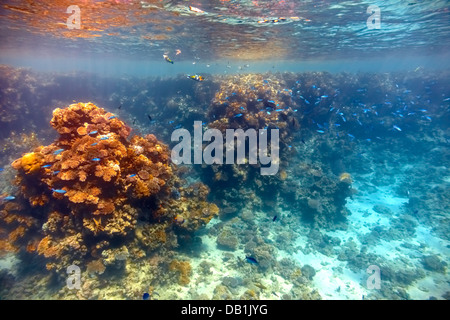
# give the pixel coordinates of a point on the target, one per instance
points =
(334, 278)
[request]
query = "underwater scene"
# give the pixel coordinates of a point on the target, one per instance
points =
(224, 150)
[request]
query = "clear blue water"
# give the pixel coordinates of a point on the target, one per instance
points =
(358, 208)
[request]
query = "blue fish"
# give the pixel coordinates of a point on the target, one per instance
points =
(58, 151)
(171, 121)
(46, 166)
(104, 138)
(96, 159)
(278, 110)
(146, 296)
(112, 117)
(94, 144)
(351, 136)
(320, 131)
(251, 260)
(274, 218)
(1, 169)
(396, 128)
(259, 100)
(93, 132)
(55, 172)
(238, 115)
(9, 198)
(61, 191)
(178, 126)
(132, 175)
(271, 101)
(324, 96)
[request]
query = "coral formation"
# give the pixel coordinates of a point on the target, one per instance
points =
(227, 240)
(184, 269)
(88, 188)
(117, 208)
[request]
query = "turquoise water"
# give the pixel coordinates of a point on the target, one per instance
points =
(357, 207)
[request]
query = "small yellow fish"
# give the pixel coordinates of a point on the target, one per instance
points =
(345, 177)
(196, 78)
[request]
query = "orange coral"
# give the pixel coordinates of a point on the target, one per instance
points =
(82, 131)
(95, 188)
(104, 207)
(30, 163)
(76, 196)
(68, 175)
(17, 233)
(96, 266)
(46, 248)
(6, 246)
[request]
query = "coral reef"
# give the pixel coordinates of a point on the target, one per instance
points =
(87, 189)
(184, 269)
(94, 172)
(227, 240)
(117, 207)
